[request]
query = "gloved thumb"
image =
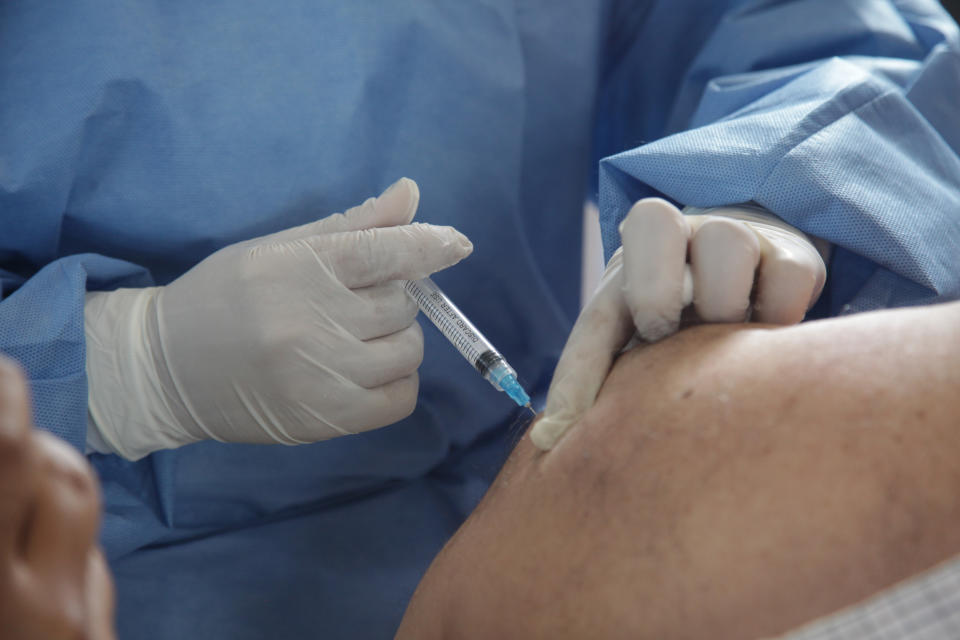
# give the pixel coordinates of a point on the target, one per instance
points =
(602, 330)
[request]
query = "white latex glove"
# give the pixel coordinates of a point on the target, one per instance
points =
(295, 337)
(734, 263)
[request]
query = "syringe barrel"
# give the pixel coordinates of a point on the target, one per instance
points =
(452, 323)
(464, 336)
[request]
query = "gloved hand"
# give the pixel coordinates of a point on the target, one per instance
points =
(734, 263)
(294, 337)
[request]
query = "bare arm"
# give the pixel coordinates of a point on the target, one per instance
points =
(730, 482)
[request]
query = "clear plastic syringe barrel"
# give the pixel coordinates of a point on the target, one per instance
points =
(450, 320)
(466, 338)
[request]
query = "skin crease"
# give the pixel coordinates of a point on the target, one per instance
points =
(731, 482)
(54, 582)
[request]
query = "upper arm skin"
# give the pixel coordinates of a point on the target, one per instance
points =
(730, 482)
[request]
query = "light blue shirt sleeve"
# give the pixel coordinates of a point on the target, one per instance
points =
(841, 117)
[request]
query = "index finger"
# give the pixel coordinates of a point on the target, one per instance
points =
(373, 256)
(655, 236)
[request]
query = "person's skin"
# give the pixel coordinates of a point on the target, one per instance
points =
(730, 482)
(54, 583)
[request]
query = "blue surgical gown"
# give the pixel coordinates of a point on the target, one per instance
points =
(138, 137)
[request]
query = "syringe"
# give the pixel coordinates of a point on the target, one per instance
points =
(466, 338)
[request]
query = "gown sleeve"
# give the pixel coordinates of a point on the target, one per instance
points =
(41, 327)
(840, 116)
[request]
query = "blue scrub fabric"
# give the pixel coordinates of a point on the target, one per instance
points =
(137, 138)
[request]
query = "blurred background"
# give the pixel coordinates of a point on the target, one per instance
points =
(953, 6)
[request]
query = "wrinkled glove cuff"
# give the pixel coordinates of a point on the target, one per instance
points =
(129, 412)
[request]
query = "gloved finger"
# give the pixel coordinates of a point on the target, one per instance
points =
(18, 467)
(410, 252)
(791, 277)
(381, 360)
(377, 311)
(724, 254)
(388, 403)
(395, 206)
(599, 334)
(654, 236)
(64, 515)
